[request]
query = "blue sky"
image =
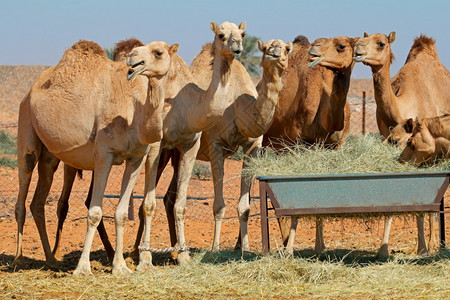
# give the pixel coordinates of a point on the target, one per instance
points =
(38, 32)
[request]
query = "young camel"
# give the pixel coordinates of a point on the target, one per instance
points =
(313, 104)
(191, 111)
(120, 54)
(421, 88)
(97, 119)
(429, 142)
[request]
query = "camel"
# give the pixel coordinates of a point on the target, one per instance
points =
(429, 142)
(120, 54)
(96, 119)
(313, 103)
(235, 127)
(191, 111)
(421, 88)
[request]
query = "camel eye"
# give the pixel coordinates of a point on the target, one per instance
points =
(410, 144)
(381, 45)
(341, 48)
(158, 53)
(221, 36)
(243, 34)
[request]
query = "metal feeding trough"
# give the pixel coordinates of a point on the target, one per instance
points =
(353, 194)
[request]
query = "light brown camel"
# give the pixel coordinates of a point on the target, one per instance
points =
(313, 103)
(421, 88)
(430, 141)
(185, 115)
(225, 138)
(120, 54)
(96, 119)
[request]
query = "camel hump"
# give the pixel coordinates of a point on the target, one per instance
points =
(302, 40)
(125, 46)
(88, 48)
(421, 44)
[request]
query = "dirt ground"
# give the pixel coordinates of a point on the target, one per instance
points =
(357, 234)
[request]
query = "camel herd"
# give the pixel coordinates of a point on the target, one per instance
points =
(149, 107)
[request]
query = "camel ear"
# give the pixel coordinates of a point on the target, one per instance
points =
(261, 46)
(174, 48)
(243, 25)
(214, 27)
(365, 34)
(409, 125)
(289, 47)
(392, 37)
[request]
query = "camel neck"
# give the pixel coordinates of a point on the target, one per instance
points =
(151, 114)
(256, 115)
(387, 106)
(337, 99)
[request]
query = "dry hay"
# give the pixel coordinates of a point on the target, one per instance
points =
(231, 274)
(359, 154)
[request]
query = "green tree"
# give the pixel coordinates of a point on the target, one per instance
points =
(251, 56)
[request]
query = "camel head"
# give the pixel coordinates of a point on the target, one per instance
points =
(275, 51)
(334, 53)
(420, 147)
(400, 134)
(151, 60)
(228, 38)
(375, 49)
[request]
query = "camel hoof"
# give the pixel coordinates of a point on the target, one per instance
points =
(319, 249)
(145, 262)
(423, 251)
(383, 252)
(134, 255)
(19, 263)
(289, 252)
(215, 248)
(83, 269)
(53, 263)
(121, 270)
(183, 258)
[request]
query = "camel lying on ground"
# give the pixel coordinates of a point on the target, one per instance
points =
(429, 142)
(96, 119)
(421, 88)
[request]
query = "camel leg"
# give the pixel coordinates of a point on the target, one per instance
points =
(187, 160)
(103, 164)
(290, 243)
(149, 205)
(432, 241)
(63, 205)
(384, 248)
(46, 167)
(421, 247)
(217, 169)
(163, 160)
(170, 197)
(28, 152)
(101, 226)
(132, 170)
(243, 208)
(319, 246)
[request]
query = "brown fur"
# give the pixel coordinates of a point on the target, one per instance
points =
(125, 46)
(88, 47)
(422, 44)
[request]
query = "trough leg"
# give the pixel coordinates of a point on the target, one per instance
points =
(264, 219)
(442, 243)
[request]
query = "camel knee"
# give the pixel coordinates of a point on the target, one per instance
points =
(149, 208)
(243, 213)
(31, 160)
(121, 218)
(94, 216)
(179, 211)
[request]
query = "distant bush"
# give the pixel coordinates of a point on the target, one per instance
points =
(202, 171)
(8, 150)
